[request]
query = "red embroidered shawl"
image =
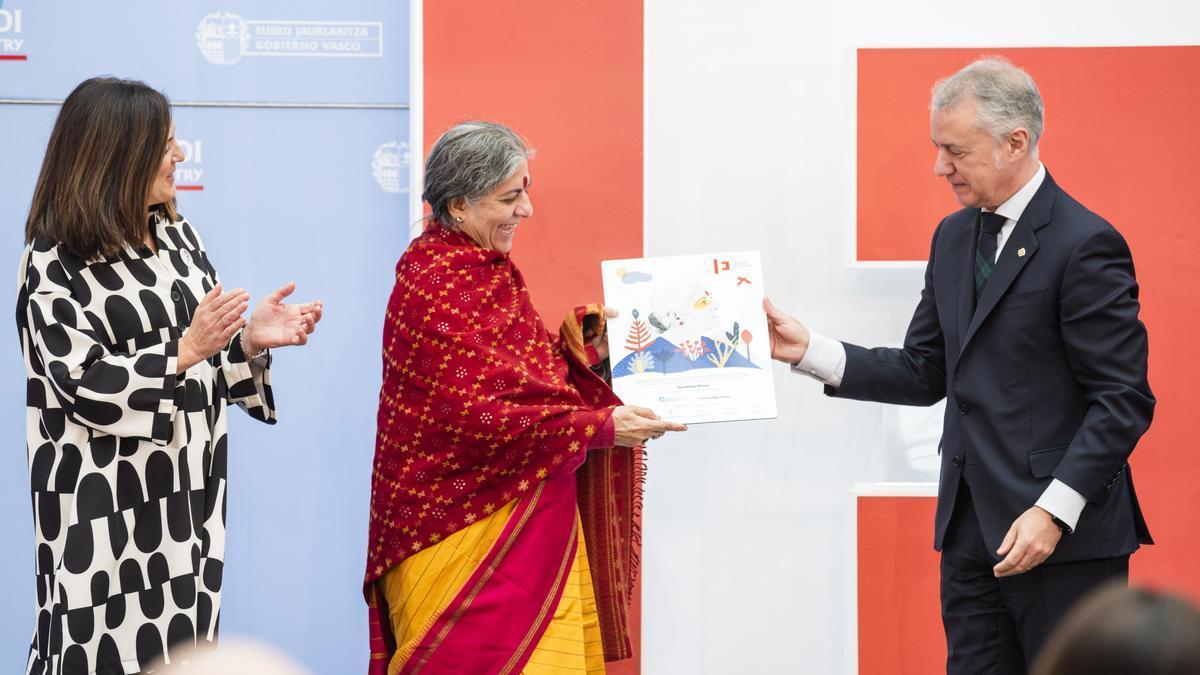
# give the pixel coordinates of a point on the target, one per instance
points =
(478, 404)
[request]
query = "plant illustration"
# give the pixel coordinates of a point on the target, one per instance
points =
(725, 347)
(637, 341)
(693, 349)
(747, 336)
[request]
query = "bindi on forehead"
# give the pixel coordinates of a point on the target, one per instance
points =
(525, 182)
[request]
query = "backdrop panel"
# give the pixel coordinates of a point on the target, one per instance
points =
(201, 50)
(271, 211)
(1121, 138)
(568, 77)
(318, 196)
(571, 84)
(23, 136)
(899, 626)
(751, 137)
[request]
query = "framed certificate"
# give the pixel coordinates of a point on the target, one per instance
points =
(691, 339)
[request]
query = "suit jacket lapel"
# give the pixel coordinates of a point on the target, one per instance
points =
(1020, 248)
(966, 272)
(966, 290)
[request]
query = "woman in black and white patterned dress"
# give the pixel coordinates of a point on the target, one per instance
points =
(132, 352)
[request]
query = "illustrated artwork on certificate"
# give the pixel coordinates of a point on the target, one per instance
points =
(691, 338)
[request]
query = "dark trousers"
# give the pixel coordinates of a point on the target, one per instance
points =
(998, 626)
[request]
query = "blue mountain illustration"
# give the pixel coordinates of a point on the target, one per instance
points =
(666, 358)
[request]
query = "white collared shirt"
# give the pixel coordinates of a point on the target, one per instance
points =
(1015, 206)
(825, 359)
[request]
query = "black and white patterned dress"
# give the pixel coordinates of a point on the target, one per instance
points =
(126, 460)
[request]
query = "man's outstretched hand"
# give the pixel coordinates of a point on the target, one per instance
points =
(789, 337)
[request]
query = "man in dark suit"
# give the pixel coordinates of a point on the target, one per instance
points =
(1028, 326)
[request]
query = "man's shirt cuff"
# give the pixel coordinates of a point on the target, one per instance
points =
(825, 360)
(1062, 502)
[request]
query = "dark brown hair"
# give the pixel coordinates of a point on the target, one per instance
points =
(1119, 630)
(104, 152)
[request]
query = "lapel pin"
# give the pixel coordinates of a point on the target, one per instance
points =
(1021, 253)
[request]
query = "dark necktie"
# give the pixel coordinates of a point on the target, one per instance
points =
(985, 251)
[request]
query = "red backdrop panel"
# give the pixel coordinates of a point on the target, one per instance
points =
(1121, 137)
(566, 75)
(899, 615)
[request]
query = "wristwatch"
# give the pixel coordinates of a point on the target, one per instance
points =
(1062, 525)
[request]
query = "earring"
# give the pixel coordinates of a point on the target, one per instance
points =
(458, 219)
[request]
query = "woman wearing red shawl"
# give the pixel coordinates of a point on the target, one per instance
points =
(505, 472)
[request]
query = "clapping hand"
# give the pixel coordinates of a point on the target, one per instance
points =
(276, 324)
(215, 321)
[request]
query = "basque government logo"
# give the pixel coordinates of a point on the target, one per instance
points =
(224, 38)
(390, 165)
(12, 39)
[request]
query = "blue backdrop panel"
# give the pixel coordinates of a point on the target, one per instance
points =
(238, 50)
(285, 201)
(23, 134)
(318, 196)
(273, 209)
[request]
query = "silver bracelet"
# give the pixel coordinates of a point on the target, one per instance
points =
(242, 341)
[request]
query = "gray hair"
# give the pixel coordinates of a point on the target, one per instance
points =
(469, 161)
(1006, 98)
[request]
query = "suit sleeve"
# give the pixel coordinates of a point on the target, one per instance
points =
(1107, 349)
(914, 374)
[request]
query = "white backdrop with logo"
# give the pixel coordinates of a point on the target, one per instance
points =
(750, 128)
(294, 117)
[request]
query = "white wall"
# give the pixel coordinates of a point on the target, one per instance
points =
(750, 145)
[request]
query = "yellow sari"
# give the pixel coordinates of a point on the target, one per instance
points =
(420, 588)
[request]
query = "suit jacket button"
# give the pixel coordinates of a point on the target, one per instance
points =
(963, 409)
(957, 461)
